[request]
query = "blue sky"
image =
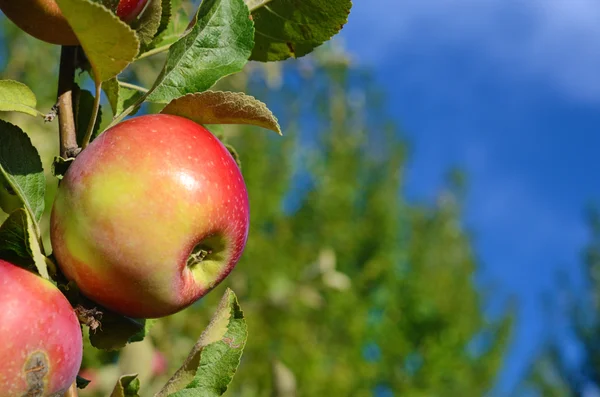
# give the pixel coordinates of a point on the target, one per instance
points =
(509, 90)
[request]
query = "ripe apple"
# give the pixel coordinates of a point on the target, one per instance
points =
(44, 20)
(151, 216)
(41, 346)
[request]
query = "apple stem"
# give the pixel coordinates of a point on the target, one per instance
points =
(133, 87)
(72, 392)
(154, 51)
(66, 119)
(92, 123)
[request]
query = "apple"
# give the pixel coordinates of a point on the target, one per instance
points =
(41, 346)
(151, 216)
(43, 19)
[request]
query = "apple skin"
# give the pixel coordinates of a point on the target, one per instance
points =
(40, 18)
(41, 337)
(128, 10)
(43, 19)
(135, 204)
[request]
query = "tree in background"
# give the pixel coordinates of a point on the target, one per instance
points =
(348, 288)
(552, 374)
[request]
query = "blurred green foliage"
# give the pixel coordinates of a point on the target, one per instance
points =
(348, 288)
(553, 373)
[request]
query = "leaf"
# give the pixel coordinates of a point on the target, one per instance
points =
(218, 107)
(292, 28)
(18, 235)
(209, 368)
(13, 235)
(21, 168)
(109, 43)
(165, 17)
(116, 331)
(127, 386)
(60, 166)
(17, 97)
(120, 98)
(148, 23)
(82, 383)
(219, 44)
(84, 106)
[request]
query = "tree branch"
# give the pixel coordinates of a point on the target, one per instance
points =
(66, 119)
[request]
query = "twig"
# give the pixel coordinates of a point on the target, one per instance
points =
(154, 51)
(92, 123)
(133, 87)
(66, 119)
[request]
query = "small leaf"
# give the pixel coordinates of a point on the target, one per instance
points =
(116, 331)
(219, 44)
(165, 17)
(18, 236)
(84, 106)
(218, 107)
(291, 28)
(127, 386)
(13, 236)
(109, 43)
(148, 23)
(17, 97)
(21, 168)
(60, 166)
(209, 368)
(82, 383)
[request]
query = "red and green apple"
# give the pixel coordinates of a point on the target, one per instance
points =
(43, 19)
(41, 346)
(151, 216)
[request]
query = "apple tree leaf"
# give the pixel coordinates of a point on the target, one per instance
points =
(147, 25)
(116, 331)
(21, 170)
(120, 98)
(219, 107)
(109, 43)
(17, 97)
(218, 44)
(211, 364)
(291, 28)
(127, 386)
(18, 237)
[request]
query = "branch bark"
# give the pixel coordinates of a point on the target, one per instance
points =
(66, 119)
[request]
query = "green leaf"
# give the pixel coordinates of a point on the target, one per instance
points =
(60, 165)
(127, 386)
(148, 23)
(218, 107)
(116, 331)
(82, 383)
(291, 28)
(21, 169)
(209, 368)
(17, 97)
(139, 336)
(84, 106)
(219, 44)
(13, 235)
(18, 236)
(109, 43)
(120, 98)
(165, 17)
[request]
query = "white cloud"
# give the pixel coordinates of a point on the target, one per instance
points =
(554, 41)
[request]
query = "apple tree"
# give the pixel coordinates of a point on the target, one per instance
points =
(149, 213)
